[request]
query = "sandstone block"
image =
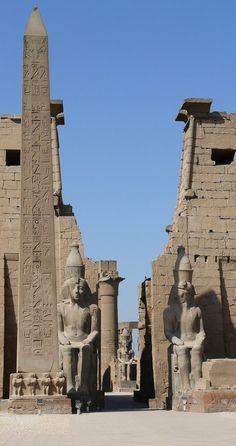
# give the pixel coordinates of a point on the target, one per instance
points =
(203, 384)
(219, 141)
(220, 372)
(213, 401)
(54, 405)
(10, 184)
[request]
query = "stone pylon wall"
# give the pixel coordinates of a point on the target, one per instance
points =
(204, 224)
(66, 232)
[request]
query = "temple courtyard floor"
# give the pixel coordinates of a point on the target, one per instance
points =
(122, 422)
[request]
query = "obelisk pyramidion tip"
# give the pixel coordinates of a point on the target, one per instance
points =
(35, 25)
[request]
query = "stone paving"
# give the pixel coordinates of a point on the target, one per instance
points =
(122, 423)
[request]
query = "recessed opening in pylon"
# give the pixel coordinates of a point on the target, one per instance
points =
(222, 156)
(12, 157)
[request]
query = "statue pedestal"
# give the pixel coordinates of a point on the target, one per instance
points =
(80, 404)
(214, 392)
(219, 400)
(154, 403)
(47, 404)
(220, 396)
(34, 393)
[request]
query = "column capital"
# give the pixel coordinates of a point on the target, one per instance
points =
(110, 278)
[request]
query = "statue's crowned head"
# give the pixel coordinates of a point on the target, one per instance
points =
(74, 264)
(183, 269)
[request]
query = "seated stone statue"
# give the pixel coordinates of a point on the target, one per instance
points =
(77, 332)
(184, 328)
(125, 355)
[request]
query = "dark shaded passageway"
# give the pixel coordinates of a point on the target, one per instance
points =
(122, 401)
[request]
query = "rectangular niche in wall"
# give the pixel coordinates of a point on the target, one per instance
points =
(222, 156)
(13, 157)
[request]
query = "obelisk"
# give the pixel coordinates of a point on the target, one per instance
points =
(37, 327)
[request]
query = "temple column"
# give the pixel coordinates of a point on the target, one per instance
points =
(108, 292)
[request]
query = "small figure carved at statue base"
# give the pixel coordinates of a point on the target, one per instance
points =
(46, 383)
(18, 384)
(60, 383)
(32, 383)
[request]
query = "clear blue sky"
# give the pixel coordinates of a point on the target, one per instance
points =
(123, 67)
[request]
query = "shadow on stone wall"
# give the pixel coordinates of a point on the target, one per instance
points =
(147, 389)
(228, 306)
(146, 373)
(211, 310)
(106, 380)
(10, 330)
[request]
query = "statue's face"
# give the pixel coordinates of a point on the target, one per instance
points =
(184, 295)
(78, 290)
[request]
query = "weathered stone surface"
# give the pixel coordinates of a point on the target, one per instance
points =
(213, 401)
(125, 356)
(220, 372)
(183, 327)
(53, 405)
(203, 384)
(66, 230)
(78, 331)
(38, 384)
(37, 333)
(108, 292)
(145, 382)
(203, 224)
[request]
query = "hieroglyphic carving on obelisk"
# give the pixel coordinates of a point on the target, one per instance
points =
(37, 332)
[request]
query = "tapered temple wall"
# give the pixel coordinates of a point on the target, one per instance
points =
(204, 224)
